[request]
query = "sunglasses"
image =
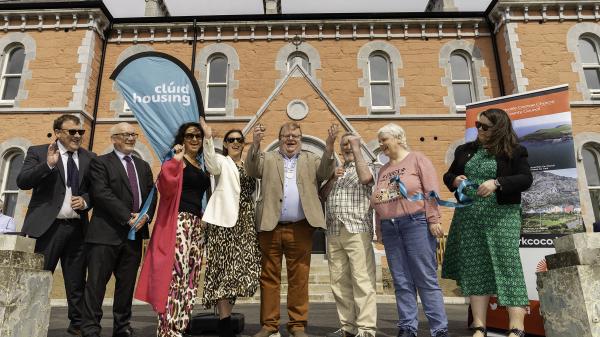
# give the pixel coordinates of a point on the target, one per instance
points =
(190, 136)
(239, 140)
(72, 132)
(482, 126)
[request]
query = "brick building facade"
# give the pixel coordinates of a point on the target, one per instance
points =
(361, 71)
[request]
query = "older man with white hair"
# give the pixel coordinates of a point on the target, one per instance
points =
(7, 224)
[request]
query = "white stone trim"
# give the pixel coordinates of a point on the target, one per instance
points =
(85, 54)
(477, 63)
(49, 19)
(395, 59)
(30, 52)
(535, 10)
(346, 125)
(233, 65)
(573, 36)
(514, 58)
(449, 157)
(314, 59)
(23, 197)
(117, 105)
(582, 139)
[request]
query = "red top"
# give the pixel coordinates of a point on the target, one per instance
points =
(156, 274)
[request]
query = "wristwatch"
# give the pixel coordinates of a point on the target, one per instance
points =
(497, 183)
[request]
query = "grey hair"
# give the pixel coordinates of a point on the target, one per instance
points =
(395, 131)
(118, 127)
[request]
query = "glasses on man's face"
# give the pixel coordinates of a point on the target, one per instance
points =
(483, 127)
(72, 132)
(291, 136)
(231, 140)
(191, 136)
(127, 135)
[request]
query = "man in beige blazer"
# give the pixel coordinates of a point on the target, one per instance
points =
(287, 212)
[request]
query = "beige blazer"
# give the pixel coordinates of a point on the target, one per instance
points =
(223, 206)
(310, 172)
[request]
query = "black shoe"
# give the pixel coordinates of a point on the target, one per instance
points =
(127, 333)
(442, 333)
(225, 327)
(74, 330)
(406, 333)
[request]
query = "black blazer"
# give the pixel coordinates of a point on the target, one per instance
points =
(49, 188)
(113, 199)
(513, 174)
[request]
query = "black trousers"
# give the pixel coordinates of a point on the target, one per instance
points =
(122, 260)
(64, 241)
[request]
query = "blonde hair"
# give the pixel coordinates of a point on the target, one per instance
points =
(395, 131)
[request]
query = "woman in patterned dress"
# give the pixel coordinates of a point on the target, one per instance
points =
(482, 252)
(170, 273)
(233, 255)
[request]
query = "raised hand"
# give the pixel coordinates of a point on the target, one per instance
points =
(207, 129)
(333, 132)
(179, 152)
(339, 171)
(53, 154)
(258, 135)
(354, 141)
(458, 180)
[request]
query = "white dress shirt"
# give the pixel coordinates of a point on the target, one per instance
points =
(66, 212)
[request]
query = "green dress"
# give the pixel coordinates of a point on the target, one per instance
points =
(482, 251)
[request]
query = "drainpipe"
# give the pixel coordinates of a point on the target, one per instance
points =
(97, 98)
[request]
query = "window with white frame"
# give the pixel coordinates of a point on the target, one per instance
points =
(463, 87)
(11, 166)
(216, 84)
(590, 61)
(591, 163)
(380, 82)
(299, 58)
(12, 69)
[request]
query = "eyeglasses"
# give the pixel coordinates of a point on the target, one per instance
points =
(239, 140)
(190, 136)
(126, 135)
(72, 132)
(290, 136)
(482, 126)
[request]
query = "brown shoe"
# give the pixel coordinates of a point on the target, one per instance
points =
(266, 333)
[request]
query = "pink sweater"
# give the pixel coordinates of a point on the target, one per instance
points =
(419, 176)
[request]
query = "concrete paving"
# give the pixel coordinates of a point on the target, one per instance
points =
(322, 319)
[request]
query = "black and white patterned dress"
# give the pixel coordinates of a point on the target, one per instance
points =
(232, 254)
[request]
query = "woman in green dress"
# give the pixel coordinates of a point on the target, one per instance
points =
(482, 252)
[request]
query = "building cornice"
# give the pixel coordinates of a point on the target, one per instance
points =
(54, 19)
(544, 11)
(424, 28)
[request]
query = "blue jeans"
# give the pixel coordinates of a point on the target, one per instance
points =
(410, 251)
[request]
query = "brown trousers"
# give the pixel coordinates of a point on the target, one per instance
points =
(294, 241)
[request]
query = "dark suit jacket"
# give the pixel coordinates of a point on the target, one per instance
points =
(49, 188)
(113, 199)
(513, 174)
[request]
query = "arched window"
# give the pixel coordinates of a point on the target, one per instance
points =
(591, 164)
(299, 58)
(216, 84)
(588, 50)
(12, 68)
(380, 81)
(11, 166)
(462, 78)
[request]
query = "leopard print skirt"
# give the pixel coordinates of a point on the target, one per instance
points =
(186, 272)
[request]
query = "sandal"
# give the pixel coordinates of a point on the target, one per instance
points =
(482, 330)
(517, 332)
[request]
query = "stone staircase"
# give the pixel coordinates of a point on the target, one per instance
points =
(319, 287)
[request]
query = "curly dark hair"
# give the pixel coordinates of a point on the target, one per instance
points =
(503, 139)
(225, 152)
(181, 133)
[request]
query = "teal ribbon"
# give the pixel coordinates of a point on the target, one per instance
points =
(463, 199)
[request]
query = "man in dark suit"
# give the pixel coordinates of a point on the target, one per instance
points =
(58, 173)
(120, 186)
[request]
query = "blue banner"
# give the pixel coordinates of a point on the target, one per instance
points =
(162, 93)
